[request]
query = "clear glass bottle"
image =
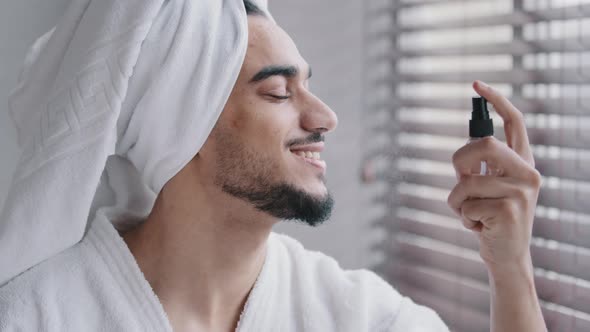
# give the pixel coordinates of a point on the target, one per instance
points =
(480, 126)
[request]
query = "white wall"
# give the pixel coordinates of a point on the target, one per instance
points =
(328, 34)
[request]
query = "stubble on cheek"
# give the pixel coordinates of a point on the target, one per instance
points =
(240, 165)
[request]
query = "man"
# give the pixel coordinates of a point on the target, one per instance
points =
(205, 258)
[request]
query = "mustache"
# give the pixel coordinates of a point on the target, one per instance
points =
(313, 138)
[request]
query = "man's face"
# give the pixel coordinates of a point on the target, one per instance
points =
(266, 145)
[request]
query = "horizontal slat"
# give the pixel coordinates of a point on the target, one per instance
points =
(514, 18)
(434, 226)
(563, 106)
(439, 255)
(561, 258)
(452, 130)
(570, 199)
(575, 139)
(566, 230)
(459, 319)
(426, 153)
(560, 319)
(516, 47)
(413, 3)
(563, 290)
(562, 168)
(514, 76)
(435, 206)
(452, 286)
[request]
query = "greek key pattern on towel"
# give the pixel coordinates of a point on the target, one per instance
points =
(88, 107)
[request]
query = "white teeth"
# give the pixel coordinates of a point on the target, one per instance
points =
(308, 154)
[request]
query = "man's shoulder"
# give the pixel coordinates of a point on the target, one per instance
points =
(95, 285)
(48, 273)
(66, 292)
(42, 291)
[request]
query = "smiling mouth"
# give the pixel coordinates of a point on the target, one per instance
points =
(312, 158)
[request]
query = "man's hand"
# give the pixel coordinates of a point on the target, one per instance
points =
(501, 209)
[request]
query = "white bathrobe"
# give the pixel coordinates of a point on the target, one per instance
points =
(97, 286)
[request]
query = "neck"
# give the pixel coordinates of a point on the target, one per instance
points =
(201, 251)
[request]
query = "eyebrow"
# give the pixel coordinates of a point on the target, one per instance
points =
(269, 71)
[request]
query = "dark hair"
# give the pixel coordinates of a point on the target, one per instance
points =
(252, 9)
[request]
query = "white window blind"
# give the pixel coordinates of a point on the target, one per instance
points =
(421, 57)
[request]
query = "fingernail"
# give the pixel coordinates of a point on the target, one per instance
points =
(483, 85)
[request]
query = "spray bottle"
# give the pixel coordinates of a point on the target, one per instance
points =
(480, 126)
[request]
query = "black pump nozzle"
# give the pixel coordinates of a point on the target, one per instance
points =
(480, 124)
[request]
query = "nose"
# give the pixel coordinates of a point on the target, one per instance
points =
(316, 116)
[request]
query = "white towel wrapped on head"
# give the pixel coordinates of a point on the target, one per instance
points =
(141, 81)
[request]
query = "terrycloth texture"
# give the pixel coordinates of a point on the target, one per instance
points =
(97, 286)
(140, 82)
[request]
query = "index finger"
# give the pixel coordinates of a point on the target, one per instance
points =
(514, 127)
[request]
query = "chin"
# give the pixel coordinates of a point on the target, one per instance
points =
(316, 189)
(319, 192)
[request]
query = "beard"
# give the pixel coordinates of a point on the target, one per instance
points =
(246, 175)
(286, 202)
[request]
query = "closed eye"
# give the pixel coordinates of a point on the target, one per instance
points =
(279, 97)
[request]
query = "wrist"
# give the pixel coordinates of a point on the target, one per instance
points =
(512, 275)
(514, 301)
